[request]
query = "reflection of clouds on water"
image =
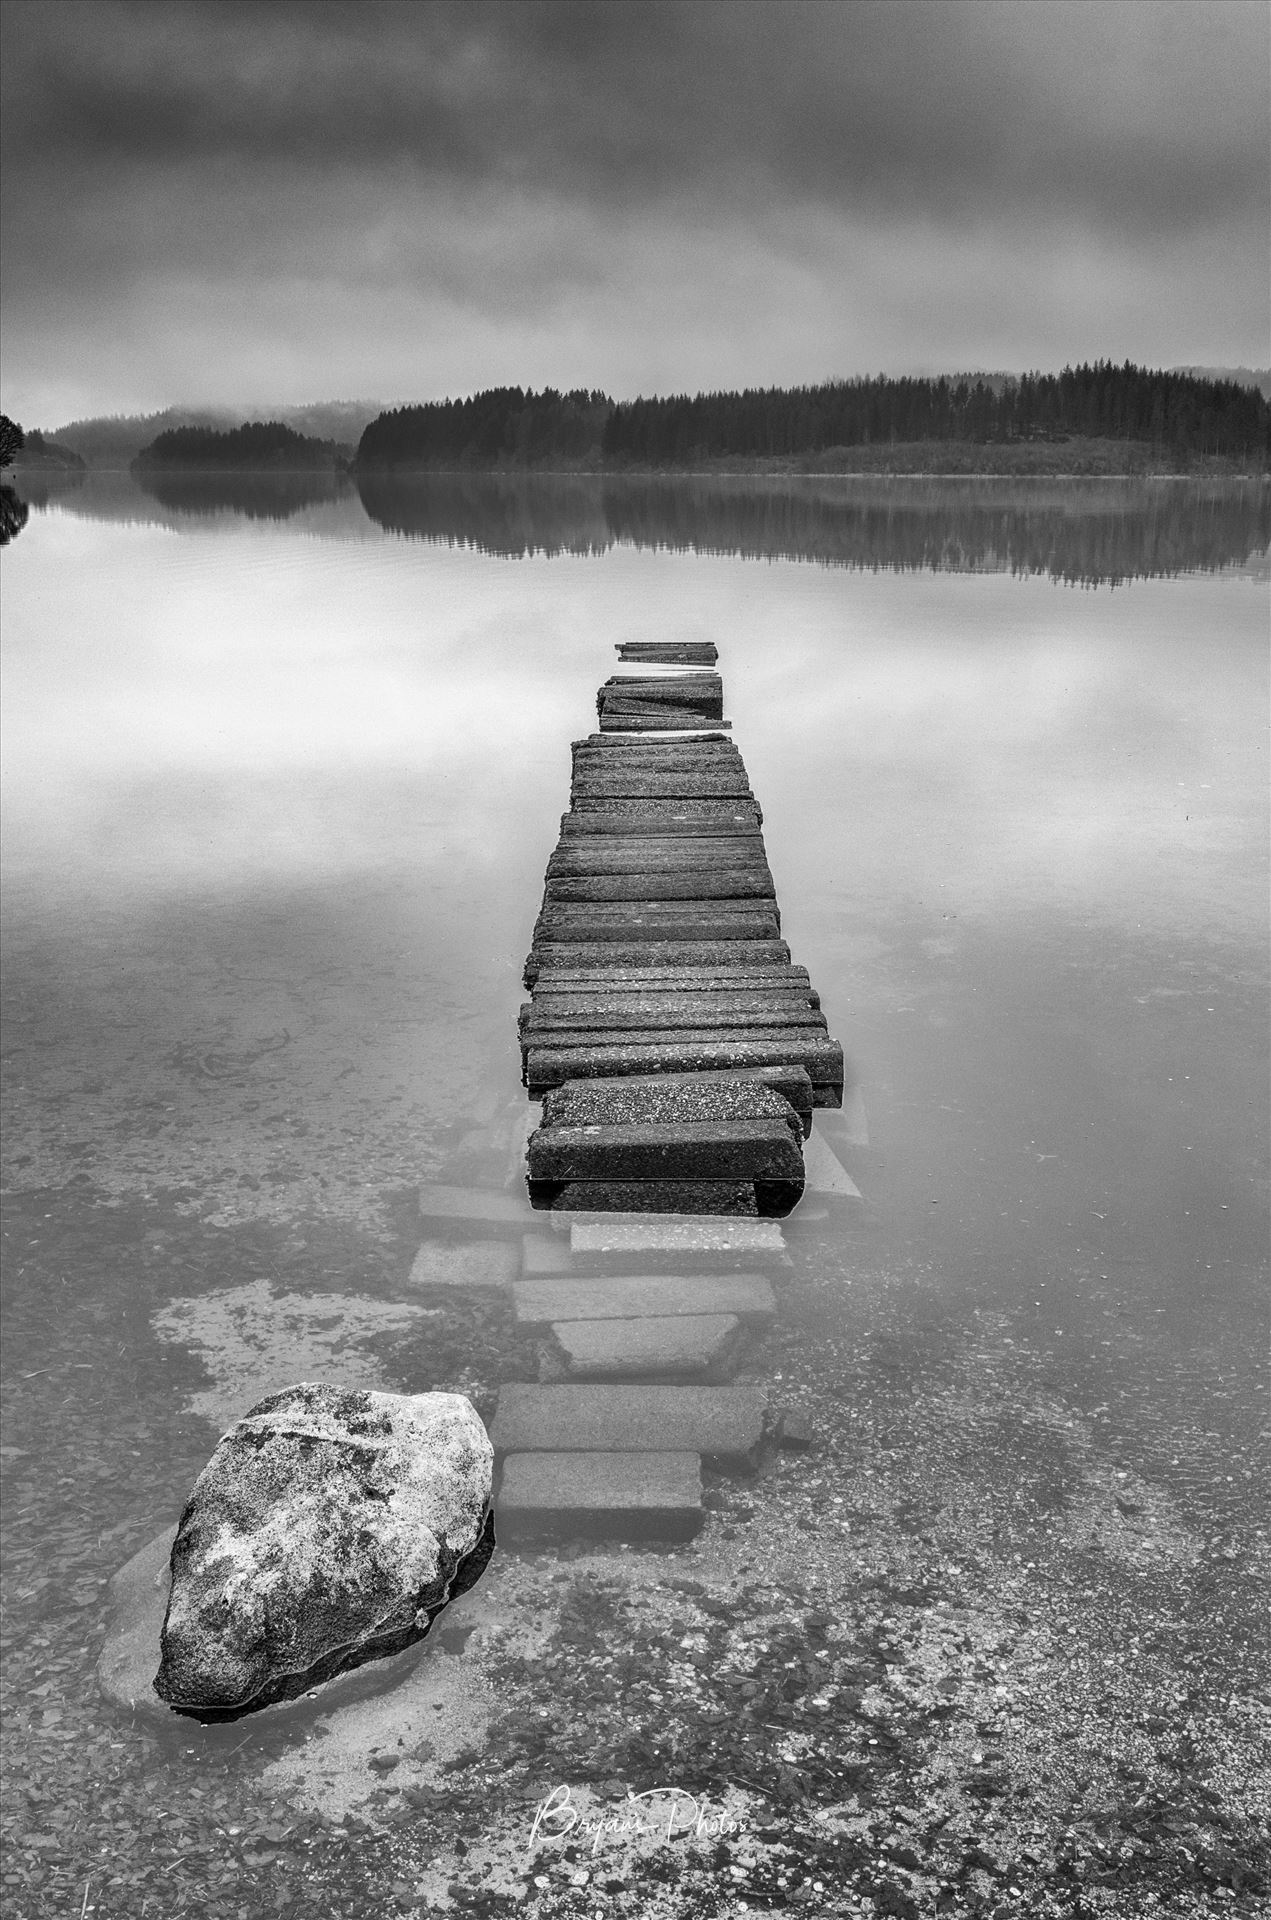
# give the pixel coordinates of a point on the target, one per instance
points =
(256, 707)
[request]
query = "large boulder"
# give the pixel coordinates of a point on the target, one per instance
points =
(330, 1527)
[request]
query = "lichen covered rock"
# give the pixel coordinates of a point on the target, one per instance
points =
(329, 1528)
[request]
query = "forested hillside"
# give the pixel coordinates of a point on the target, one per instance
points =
(266, 444)
(503, 427)
(1178, 417)
(1171, 410)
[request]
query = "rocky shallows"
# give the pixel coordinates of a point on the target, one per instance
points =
(329, 1528)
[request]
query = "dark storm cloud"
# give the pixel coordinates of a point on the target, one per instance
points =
(814, 169)
(1129, 113)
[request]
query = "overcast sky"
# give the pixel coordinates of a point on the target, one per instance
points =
(293, 200)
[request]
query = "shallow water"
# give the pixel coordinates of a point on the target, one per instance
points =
(279, 787)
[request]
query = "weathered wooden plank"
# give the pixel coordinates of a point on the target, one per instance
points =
(765, 1147)
(704, 650)
(691, 821)
(653, 953)
(700, 920)
(688, 1052)
(698, 979)
(656, 853)
(685, 883)
(607, 1243)
(676, 1096)
(656, 720)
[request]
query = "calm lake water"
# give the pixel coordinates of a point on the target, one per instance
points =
(282, 770)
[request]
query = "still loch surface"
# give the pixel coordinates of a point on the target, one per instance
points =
(282, 770)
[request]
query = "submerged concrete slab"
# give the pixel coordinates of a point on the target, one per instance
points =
(537, 1303)
(486, 1204)
(691, 1346)
(610, 1244)
(629, 1496)
(720, 1422)
(824, 1172)
(483, 1265)
(542, 1253)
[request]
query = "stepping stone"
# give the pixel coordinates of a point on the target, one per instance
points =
(687, 883)
(654, 953)
(440, 1202)
(678, 1096)
(825, 1173)
(691, 1346)
(609, 1244)
(629, 1496)
(764, 1147)
(710, 1197)
(537, 1303)
(481, 1264)
(723, 1423)
(542, 1253)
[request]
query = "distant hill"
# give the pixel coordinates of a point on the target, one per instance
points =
(115, 440)
(38, 455)
(257, 446)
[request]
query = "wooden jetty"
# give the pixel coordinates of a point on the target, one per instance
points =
(659, 980)
(679, 1054)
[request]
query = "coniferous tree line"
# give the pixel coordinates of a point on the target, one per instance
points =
(1171, 410)
(513, 427)
(503, 427)
(257, 444)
